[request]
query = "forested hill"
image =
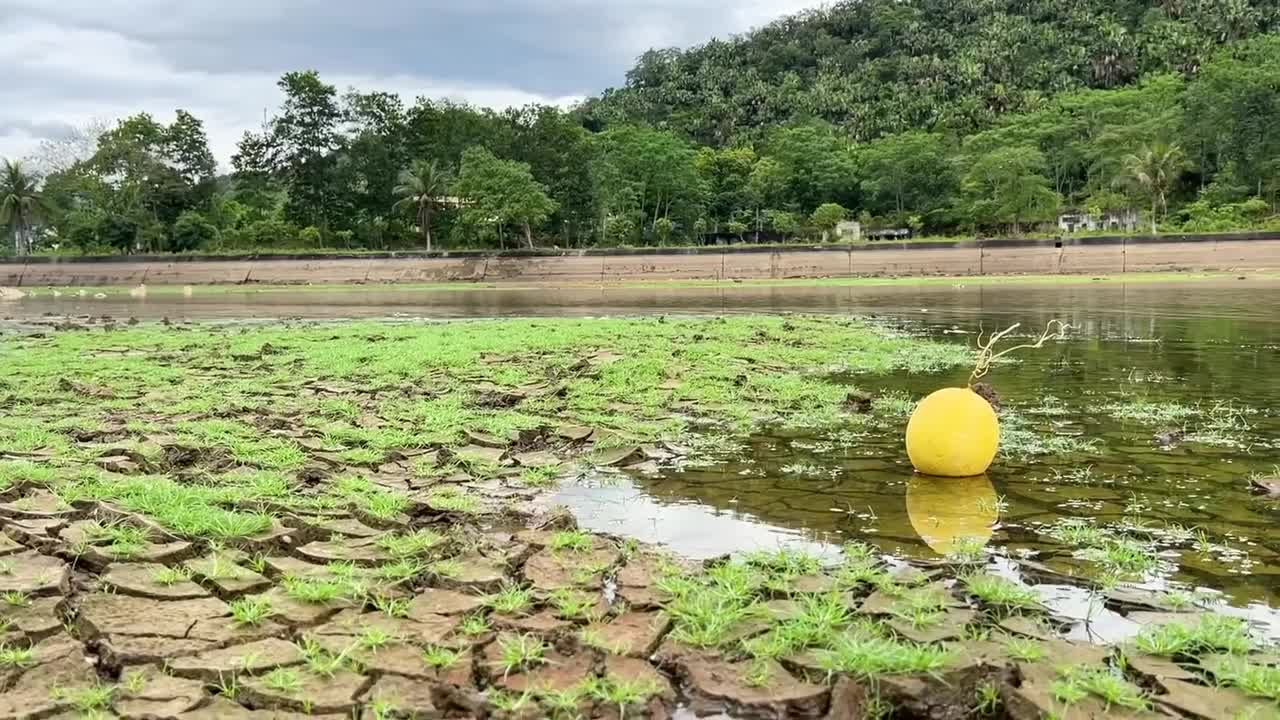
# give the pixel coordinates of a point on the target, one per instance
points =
(876, 67)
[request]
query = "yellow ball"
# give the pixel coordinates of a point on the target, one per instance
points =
(953, 433)
(946, 511)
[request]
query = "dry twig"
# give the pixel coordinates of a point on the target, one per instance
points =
(1055, 330)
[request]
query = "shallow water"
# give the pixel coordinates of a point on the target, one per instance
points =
(1193, 343)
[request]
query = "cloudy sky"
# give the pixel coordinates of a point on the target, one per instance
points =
(68, 62)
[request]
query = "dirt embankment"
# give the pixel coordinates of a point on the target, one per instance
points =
(1254, 252)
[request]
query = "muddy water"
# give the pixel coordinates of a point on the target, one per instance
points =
(1193, 343)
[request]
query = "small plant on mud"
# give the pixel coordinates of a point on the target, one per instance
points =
(1024, 649)
(133, 681)
(759, 674)
(863, 653)
(570, 540)
(574, 604)
(314, 591)
(453, 499)
(13, 598)
(392, 607)
(122, 541)
(411, 544)
(473, 625)
(592, 637)
(1001, 594)
(520, 652)
(321, 661)
(283, 680)
(402, 570)
(447, 568)
(540, 476)
(375, 638)
(563, 704)
(251, 611)
(440, 658)
(1077, 682)
(967, 550)
(785, 563)
(512, 703)
(511, 600)
(383, 709)
(988, 699)
(1211, 633)
(16, 657)
(170, 576)
(227, 687)
(1257, 680)
(621, 692)
(86, 700)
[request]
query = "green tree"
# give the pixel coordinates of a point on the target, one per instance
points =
(1232, 106)
(502, 192)
(422, 186)
(193, 231)
(726, 176)
(20, 204)
(785, 223)
(1008, 186)
(1154, 170)
(648, 173)
(826, 217)
(815, 165)
(907, 173)
(299, 147)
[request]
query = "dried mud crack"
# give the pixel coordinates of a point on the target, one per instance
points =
(344, 521)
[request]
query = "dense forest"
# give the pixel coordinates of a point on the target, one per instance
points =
(948, 117)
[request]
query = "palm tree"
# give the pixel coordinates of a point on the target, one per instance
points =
(422, 186)
(19, 203)
(1155, 169)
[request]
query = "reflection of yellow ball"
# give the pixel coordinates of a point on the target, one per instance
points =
(944, 511)
(953, 433)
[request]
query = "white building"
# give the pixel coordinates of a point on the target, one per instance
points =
(1119, 220)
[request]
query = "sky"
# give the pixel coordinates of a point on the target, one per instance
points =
(71, 63)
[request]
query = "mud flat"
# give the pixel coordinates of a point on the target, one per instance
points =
(346, 520)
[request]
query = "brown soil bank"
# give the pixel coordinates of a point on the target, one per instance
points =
(1254, 252)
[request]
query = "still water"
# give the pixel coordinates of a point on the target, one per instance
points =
(1157, 411)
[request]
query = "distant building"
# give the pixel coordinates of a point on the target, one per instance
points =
(1120, 220)
(849, 231)
(889, 234)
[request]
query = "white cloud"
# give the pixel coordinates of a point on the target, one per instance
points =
(73, 60)
(127, 77)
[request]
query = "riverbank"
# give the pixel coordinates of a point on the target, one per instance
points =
(1236, 253)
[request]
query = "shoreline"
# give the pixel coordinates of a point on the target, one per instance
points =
(1249, 253)
(1142, 278)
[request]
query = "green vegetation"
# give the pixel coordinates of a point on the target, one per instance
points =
(1255, 679)
(171, 575)
(16, 657)
(439, 657)
(917, 115)
(520, 652)
(1001, 594)
(511, 600)
(1210, 633)
(251, 611)
(1077, 682)
(866, 653)
(1024, 649)
(284, 680)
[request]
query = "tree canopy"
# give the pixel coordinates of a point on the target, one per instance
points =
(955, 117)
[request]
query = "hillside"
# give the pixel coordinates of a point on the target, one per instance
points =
(875, 67)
